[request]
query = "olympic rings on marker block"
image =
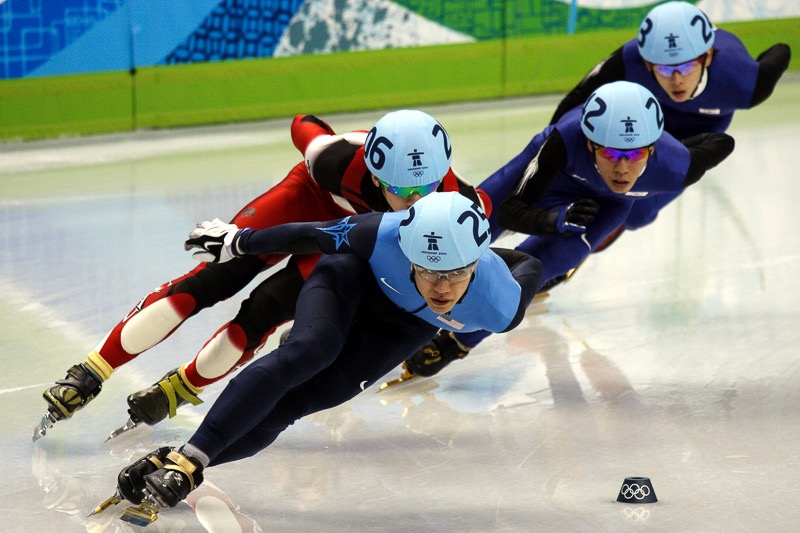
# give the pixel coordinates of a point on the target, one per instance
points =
(637, 490)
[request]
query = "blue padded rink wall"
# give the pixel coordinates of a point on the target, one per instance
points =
(672, 355)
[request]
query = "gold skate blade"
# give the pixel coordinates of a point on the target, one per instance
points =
(143, 514)
(405, 377)
(113, 500)
(48, 421)
(129, 425)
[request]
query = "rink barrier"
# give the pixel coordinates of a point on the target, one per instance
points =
(248, 90)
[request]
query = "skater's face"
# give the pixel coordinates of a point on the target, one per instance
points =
(400, 198)
(680, 81)
(442, 290)
(620, 168)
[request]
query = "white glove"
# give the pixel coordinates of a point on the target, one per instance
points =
(216, 241)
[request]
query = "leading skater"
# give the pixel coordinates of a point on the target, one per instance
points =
(394, 280)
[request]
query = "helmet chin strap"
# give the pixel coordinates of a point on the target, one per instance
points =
(471, 279)
(701, 85)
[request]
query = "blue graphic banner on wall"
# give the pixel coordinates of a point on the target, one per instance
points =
(237, 30)
(32, 32)
(58, 37)
(44, 38)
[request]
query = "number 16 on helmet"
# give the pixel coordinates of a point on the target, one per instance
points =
(408, 148)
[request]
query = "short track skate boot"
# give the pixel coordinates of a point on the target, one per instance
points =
(173, 482)
(437, 353)
(155, 403)
(70, 394)
(131, 487)
(544, 288)
(543, 292)
(130, 481)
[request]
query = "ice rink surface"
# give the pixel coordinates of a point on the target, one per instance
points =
(675, 354)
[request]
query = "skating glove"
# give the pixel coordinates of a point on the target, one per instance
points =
(574, 218)
(216, 241)
(436, 354)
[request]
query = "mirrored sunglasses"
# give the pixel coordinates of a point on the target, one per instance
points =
(453, 276)
(405, 192)
(614, 155)
(684, 69)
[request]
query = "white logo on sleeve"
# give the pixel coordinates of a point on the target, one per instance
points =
(383, 280)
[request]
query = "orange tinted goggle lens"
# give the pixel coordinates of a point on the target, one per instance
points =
(614, 155)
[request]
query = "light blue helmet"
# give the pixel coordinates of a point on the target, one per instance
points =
(444, 231)
(622, 115)
(408, 148)
(673, 33)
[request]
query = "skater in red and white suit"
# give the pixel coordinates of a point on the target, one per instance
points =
(334, 181)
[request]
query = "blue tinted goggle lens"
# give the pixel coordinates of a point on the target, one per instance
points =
(614, 155)
(405, 192)
(684, 68)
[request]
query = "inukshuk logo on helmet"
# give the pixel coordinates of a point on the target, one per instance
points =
(672, 45)
(416, 168)
(629, 134)
(433, 254)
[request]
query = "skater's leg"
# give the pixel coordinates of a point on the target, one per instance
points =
(270, 304)
(298, 197)
(325, 311)
(381, 338)
(150, 322)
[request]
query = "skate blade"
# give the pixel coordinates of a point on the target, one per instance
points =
(48, 421)
(537, 307)
(404, 378)
(143, 514)
(128, 426)
(113, 500)
(541, 296)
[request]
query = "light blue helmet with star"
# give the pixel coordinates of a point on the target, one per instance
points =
(444, 231)
(408, 148)
(622, 115)
(673, 33)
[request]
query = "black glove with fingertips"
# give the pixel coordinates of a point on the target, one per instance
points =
(575, 217)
